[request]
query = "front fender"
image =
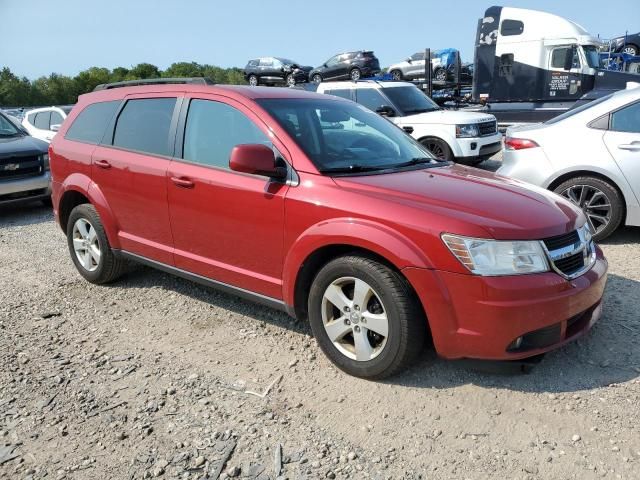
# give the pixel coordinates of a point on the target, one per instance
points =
(81, 183)
(375, 237)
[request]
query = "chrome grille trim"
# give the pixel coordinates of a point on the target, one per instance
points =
(586, 249)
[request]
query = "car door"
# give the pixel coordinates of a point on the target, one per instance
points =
(562, 83)
(129, 169)
(40, 122)
(227, 226)
(416, 67)
(332, 67)
(623, 142)
(266, 69)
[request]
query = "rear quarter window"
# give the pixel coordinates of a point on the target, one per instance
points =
(90, 125)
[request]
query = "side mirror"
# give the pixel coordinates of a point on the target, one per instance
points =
(386, 111)
(409, 60)
(256, 159)
(568, 59)
(55, 128)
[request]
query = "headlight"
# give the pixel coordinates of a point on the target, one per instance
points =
(470, 130)
(497, 257)
(45, 160)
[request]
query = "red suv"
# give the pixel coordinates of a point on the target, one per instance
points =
(317, 206)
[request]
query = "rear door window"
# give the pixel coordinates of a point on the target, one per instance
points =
(42, 120)
(56, 119)
(144, 124)
(213, 129)
(90, 125)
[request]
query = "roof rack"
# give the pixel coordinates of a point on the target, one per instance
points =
(155, 81)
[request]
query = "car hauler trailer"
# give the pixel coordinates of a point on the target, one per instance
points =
(531, 66)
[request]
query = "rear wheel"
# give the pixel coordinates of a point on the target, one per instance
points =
(438, 148)
(600, 201)
(365, 317)
(89, 246)
(291, 80)
(253, 80)
(630, 49)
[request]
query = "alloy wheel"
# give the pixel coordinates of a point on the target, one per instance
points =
(396, 75)
(253, 81)
(355, 74)
(629, 49)
(317, 78)
(355, 319)
(86, 245)
(594, 203)
(436, 149)
(291, 81)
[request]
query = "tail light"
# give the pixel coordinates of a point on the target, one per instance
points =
(511, 143)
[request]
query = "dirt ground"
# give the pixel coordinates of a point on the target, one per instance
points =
(155, 376)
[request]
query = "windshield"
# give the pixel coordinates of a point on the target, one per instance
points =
(581, 108)
(344, 137)
(592, 54)
(410, 100)
(7, 128)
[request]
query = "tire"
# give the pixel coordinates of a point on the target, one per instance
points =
(630, 49)
(253, 81)
(290, 80)
(597, 195)
(389, 297)
(107, 267)
(396, 75)
(355, 74)
(440, 75)
(316, 78)
(439, 148)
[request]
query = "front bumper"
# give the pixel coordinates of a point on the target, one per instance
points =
(478, 147)
(480, 317)
(37, 187)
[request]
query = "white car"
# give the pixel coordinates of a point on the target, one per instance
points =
(466, 137)
(43, 123)
(413, 68)
(590, 154)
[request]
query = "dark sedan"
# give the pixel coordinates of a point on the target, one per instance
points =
(629, 44)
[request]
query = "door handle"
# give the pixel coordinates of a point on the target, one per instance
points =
(102, 164)
(182, 182)
(633, 146)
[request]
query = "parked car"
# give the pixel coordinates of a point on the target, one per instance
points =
(43, 123)
(24, 165)
(589, 155)
(317, 206)
(629, 44)
(14, 112)
(465, 137)
(442, 66)
(344, 66)
(275, 70)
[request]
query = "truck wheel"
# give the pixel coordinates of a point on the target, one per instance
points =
(89, 247)
(253, 80)
(365, 317)
(600, 201)
(438, 148)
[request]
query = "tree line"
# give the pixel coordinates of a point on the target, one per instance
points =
(58, 89)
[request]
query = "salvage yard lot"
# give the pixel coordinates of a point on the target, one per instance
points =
(157, 376)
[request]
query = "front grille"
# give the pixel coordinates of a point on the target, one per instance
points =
(561, 241)
(13, 168)
(570, 265)
(488, 128)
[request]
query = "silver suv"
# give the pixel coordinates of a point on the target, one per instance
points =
(24, 165)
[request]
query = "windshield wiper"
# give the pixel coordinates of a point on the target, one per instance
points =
(354, 168)
(417, 161)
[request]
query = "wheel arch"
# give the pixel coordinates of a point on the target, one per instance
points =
(590, 173)
(455, 151)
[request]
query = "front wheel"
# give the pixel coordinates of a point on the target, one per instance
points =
(438, 148)
(89, 246)
(440, 75)
(365, 317)
(291, 80)
(253, 80)
(316, 78)
(600, 201)
(396, 75)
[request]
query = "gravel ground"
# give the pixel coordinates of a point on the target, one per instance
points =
(155, 376)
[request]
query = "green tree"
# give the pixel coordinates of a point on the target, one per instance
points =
(14, 91)
(143, 70)
(184, 69)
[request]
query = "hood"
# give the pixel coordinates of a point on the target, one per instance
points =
(450, 117)
(22, 146)
(467, 197)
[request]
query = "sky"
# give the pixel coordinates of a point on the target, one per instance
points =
(66, 36)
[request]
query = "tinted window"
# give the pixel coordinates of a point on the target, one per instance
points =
(333, 61)
(90, 125)
(410, 100)
(266, 62)
(143, 125)
(342, 93)
(213, 129)
(253, 63)
(56, 119)
(558, 56)
(42, 120)
(370, 98)
(626, 119)
(511, 27)
(418, 56)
